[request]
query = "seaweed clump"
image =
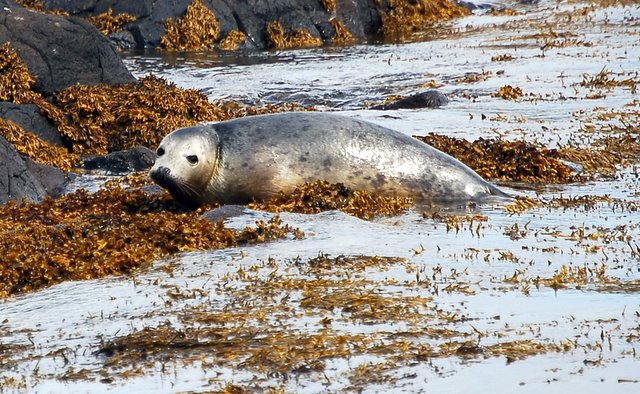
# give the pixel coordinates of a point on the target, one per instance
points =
(404, 17)
(322, 196)
(197, 30)
(232, 41)
(109, 118)
(107, 23)
(511, 161)
(342, 35)
(297, 38)
(111, 232)
(329, 5)
(608, 153)
(604, 80)
(15, 79)
(508, 92)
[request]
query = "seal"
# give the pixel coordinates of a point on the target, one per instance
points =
(256, 157)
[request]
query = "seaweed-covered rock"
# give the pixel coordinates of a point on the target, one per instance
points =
(60, 51)
(134, 159)
(362, 18)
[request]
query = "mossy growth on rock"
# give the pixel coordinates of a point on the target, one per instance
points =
(107, 23)
(322, 196)
(297, 38)
(404, 17)
(111, 232)
(197, 30)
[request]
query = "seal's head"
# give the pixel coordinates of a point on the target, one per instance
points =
(186, 160)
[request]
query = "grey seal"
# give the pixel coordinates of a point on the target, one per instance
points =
(256, 157)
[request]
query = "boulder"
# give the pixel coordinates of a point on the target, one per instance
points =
(121, 162)
(428, 99)
(60, 51)
(16, 181)
(52, 179)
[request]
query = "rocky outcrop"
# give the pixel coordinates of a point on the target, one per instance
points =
(60, 51)
(360, 17)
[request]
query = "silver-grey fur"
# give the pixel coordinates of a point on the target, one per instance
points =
(256, 157)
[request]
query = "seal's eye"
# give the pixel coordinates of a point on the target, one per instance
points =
(160, 152)
(192, 159)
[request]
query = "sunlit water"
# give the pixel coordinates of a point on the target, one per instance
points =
(76, 315)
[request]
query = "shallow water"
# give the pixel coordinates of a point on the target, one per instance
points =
(464, 272)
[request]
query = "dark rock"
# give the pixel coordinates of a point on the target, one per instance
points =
(361, 17)
(72, 6)
(61, 51)
(16, 181)
(428, 99)
(134, 159)
(29, 118)
(52, 179)
(123, 40)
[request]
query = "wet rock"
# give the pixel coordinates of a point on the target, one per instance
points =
(16, 181)
(428, 99)
(61, 51)
(134, 159)
(29, 118)
(224, 212)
